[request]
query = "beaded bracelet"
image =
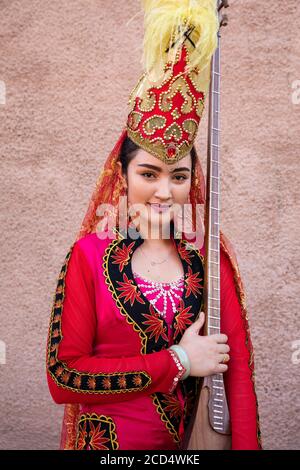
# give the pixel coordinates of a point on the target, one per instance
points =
(184, 359)
(181, 370)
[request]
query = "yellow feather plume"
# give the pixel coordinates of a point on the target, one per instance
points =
(165, 22)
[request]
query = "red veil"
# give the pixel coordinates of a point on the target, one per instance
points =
(109, 187)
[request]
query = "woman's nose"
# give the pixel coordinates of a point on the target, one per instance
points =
(163, 190)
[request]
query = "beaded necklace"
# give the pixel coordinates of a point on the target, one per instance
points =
(165, 289)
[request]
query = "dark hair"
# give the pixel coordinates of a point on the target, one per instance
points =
(127, 153)
(130, 148)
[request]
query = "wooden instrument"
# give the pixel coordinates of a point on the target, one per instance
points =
(209, 427)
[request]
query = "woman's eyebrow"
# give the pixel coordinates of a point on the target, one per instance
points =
(157, 168)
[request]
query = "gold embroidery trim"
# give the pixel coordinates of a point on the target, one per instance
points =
(64, 372)
(103, 419)
(108, 251)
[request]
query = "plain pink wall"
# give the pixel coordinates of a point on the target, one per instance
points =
(68, 68)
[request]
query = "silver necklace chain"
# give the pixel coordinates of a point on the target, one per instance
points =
(153, 263)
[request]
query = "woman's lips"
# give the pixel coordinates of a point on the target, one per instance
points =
(159, 208)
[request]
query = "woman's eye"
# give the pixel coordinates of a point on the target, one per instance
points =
(151, 174)
(181, 176)
(177, 177)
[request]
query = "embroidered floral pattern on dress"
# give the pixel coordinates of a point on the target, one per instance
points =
(122, 255)
(74, 380)
(193, 283)
(135, 306)
(144, 318)
(129, 291)
(173, 406)
(182, 319)
(155, 325)
(96, 432)
(184, 253)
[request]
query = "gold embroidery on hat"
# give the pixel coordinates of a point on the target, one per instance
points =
(134, 120)
(157, 147)
(174, 130)
(181, 86)
(153, 123)
(175, 113)
(200, 107)
(147, 102)
(191, 127)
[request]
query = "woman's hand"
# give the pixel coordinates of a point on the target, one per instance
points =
(205, 352)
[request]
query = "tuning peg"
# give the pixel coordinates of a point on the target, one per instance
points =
(224, 4)
(224, 20)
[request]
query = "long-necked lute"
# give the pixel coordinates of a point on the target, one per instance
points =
(210, 424)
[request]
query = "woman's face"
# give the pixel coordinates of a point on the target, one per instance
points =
(157, 186)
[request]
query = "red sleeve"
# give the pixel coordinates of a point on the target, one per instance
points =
(74, 374)
(238, 382)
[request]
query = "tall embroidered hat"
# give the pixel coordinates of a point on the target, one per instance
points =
(167, 103)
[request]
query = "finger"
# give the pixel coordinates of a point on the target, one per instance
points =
(220, 338)
(221, 368)
(198, 323)
(224, 358)
(222, 348)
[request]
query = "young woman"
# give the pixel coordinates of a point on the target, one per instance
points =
(124, 353)
(113, 323)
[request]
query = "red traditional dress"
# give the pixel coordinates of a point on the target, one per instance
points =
(108, 349)
(107, 357)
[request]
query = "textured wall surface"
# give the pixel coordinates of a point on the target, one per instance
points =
(67, 67)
